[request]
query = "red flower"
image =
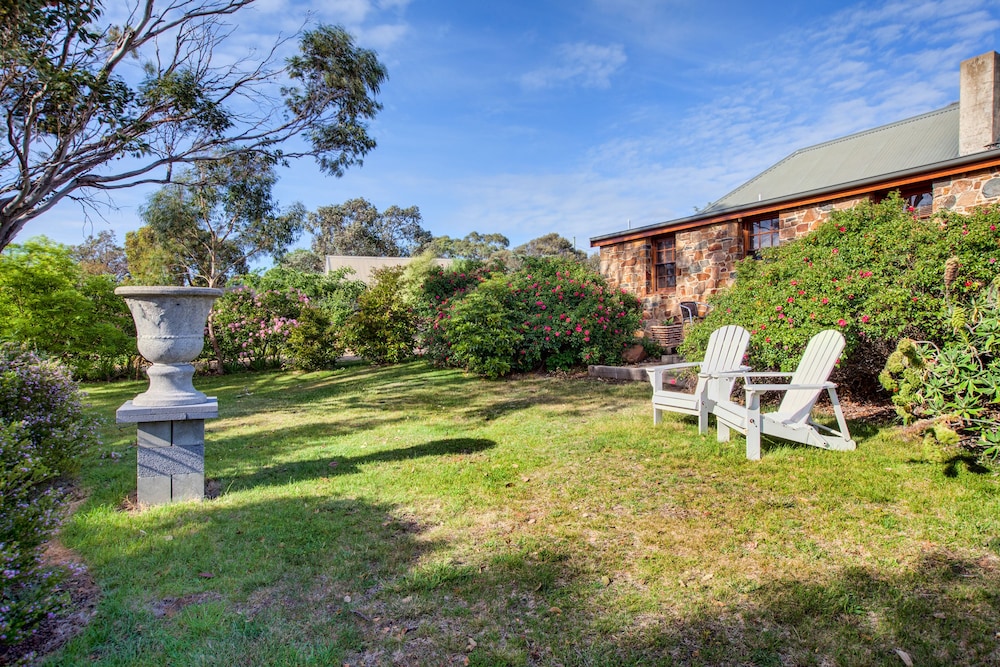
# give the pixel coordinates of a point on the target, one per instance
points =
(841, 322)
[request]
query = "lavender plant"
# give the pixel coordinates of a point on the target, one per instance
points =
(43, 432)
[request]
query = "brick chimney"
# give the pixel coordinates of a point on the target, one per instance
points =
(979, 104)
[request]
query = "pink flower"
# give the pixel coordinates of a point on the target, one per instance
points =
(824, 301)
(778, 308)
(841, 229)
(864, 319)
(791, 300)
(835, 251)
(841, 322)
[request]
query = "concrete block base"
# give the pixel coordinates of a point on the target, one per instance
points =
(170, 463)
(153, 491)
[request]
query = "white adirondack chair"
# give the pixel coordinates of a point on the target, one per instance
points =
(726, 347)
(791, 421)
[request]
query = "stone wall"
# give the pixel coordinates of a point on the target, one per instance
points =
(964, 192)
(800, 221)
(705, 259)
(706, 256)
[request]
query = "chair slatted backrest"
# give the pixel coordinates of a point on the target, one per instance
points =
(814, 368)
(726, 347)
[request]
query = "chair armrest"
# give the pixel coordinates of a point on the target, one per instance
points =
(786, 387)
(666, 367)
(656, 372)
(740, 371)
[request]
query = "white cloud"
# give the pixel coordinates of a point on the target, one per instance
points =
(382, 36)
(860, 68)
(589, 65)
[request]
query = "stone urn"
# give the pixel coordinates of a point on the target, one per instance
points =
(170, 327)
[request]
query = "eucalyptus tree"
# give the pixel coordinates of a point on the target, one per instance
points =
(90, 107)
(358, 228)
(219, 216)
(472, 246)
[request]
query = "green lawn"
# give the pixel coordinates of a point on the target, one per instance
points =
(411, 515)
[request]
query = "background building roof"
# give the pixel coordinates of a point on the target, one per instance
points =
(908, 144)
(363, 266)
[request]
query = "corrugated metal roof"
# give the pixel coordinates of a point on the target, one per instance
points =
(907, 144)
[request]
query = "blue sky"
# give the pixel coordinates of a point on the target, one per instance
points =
(578, 116)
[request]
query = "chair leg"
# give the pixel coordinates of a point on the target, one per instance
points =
(721, 431)
(657, 416)
(753, 426)
(841, 422)
(703, 417)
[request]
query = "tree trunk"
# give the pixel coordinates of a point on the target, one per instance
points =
(221, 369)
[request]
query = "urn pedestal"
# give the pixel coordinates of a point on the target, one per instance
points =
(170, 415)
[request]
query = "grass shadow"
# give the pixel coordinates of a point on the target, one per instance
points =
(341, 465)
(245, 576)
(954, 465)
(933, 612)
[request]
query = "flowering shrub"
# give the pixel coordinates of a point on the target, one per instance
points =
(439, 290)
(550, 313)
(873, 272)
(40, 395)
(253, 328)
(28, 515)
(43, 432)
(287, 317)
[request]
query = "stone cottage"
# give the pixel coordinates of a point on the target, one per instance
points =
(947, 159)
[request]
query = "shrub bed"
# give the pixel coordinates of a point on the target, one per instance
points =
(43, 433)
(874, 272)
(550, 313)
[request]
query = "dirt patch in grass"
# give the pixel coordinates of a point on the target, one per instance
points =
(54, 632)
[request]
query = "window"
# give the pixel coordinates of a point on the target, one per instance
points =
(664, 263)
(760, 234)
(918, 198)
(920, 201)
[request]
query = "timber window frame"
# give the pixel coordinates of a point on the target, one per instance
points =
(918, 198)
(760, 233)
(663, 263)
